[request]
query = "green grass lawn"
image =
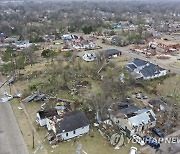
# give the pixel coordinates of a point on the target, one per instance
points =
(24, 126)
(170, 87)
(175, 64)
(91, 145)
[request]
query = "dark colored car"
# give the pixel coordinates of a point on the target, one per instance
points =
(122, 106)
(152, 142)
(158, 132)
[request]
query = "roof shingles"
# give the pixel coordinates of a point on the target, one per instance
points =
(72, 121)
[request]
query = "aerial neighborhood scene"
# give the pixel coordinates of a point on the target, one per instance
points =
(90, 77)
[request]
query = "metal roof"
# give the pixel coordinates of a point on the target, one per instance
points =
(143, 116)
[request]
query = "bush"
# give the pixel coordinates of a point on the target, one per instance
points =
(87, 29)
(47, 53)
(34, 86)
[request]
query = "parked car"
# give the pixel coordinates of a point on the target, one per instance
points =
(158, 132)
(6, 98)
(138, 139)
(133, 150)
(152, 142)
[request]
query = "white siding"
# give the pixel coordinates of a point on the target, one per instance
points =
(42, 122)
(73, 134)
(162, 73)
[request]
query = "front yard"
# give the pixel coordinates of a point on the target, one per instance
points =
(92, 143)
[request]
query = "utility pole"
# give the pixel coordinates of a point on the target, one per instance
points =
(33, 138)
(10, 89)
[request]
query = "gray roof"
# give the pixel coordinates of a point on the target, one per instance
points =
(139, 62)
(111, 52)
(132, 67)
(150, 70)
(125, 111)
(72, 121)
(130, 109)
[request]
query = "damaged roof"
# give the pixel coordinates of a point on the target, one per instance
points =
(143, 116)
(125, 111)
(48, 113)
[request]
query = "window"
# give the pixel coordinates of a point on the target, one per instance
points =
(74, 132)
(66, 134)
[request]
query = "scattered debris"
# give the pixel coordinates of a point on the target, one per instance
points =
(17, 95)
(20, 108)
(11, 81)
(35, 97)
(89, 57)
(122, 77)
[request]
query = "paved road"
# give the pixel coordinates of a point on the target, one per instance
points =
(11, 139)
(125, 50)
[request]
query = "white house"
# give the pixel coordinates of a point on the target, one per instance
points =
(151, 71)
(143, 69)
(134, 121)
(70, 125)
(41, 116)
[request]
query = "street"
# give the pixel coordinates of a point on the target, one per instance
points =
(125, 50)
(11, 139)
